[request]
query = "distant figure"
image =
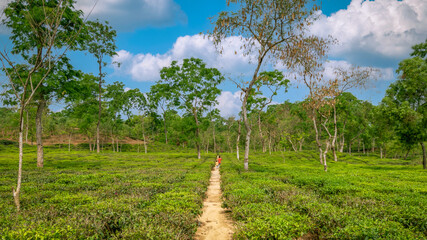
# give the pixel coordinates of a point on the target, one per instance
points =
(218, 160)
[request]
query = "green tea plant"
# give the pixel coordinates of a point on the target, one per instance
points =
(287, 196)
(82, 195)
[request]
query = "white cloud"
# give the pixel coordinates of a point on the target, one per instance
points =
(229, 103)
(128, 15)
(146, 67)
(3, 4)
(378, 33)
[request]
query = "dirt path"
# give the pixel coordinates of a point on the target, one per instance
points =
(215, 224)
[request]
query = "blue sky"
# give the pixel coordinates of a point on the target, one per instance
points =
(152, 33)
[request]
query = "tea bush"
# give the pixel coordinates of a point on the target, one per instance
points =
(289, 196)
(82, 195)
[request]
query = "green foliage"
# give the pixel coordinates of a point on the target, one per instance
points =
(101, 41)
(420, 50)
(287, 196)
(405, 101)
(192, 86)
(31, 23)
(83, 195)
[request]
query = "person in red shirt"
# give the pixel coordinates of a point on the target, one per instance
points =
(219, 161)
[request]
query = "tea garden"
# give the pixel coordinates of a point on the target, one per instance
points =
(129, 195)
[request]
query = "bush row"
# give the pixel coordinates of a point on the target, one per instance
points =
(81, 195)
(289, 196)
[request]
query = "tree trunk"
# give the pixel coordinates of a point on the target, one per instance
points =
(381, 152)
(145, 143)
(166, 128)
(246, 92)
(269, 144)
(424, 155)
(143, 135)
(363, 146)
(197, 133)
(248, 133)
(21, 155)
(325, 166)
(319, 146)
(214, 140)
(39, 131)
(334, 139)
(69, 142)
(238, 139)
(117, 145)
(99, 104)
(260, 133)
(407, 153)
(112, 143)
(373, 145)
(358, 146)
(90, 144)
(343, 138)
(293, 145)
(26, 132)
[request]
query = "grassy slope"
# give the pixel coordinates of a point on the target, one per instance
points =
(112, 195)
(287, 196)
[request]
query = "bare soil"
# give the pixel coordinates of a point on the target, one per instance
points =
(215, 223)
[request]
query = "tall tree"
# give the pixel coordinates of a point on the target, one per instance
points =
(272, 81)
(193, 88)
(101, 44)
(272, 30)
(83, 106)
(160, 99)
(30, 33)
(345, 79)
(119, 102)
(405, 101)
(42, 31)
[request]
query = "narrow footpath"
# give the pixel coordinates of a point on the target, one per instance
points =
(215, 224)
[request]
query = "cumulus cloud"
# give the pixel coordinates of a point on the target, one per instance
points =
(229, 103)
(378, 33)
(146, 67)
(128, 15)
(3, 4)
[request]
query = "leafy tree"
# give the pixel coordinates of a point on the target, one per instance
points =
(272, 30)
(141, 102)
(193, 88)
(33, 34)
(273, 81)
(160, 99)
(420, 50)
(83, 107)
(119, 102)
(405, 102)
(41, 32)
(101, 44)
